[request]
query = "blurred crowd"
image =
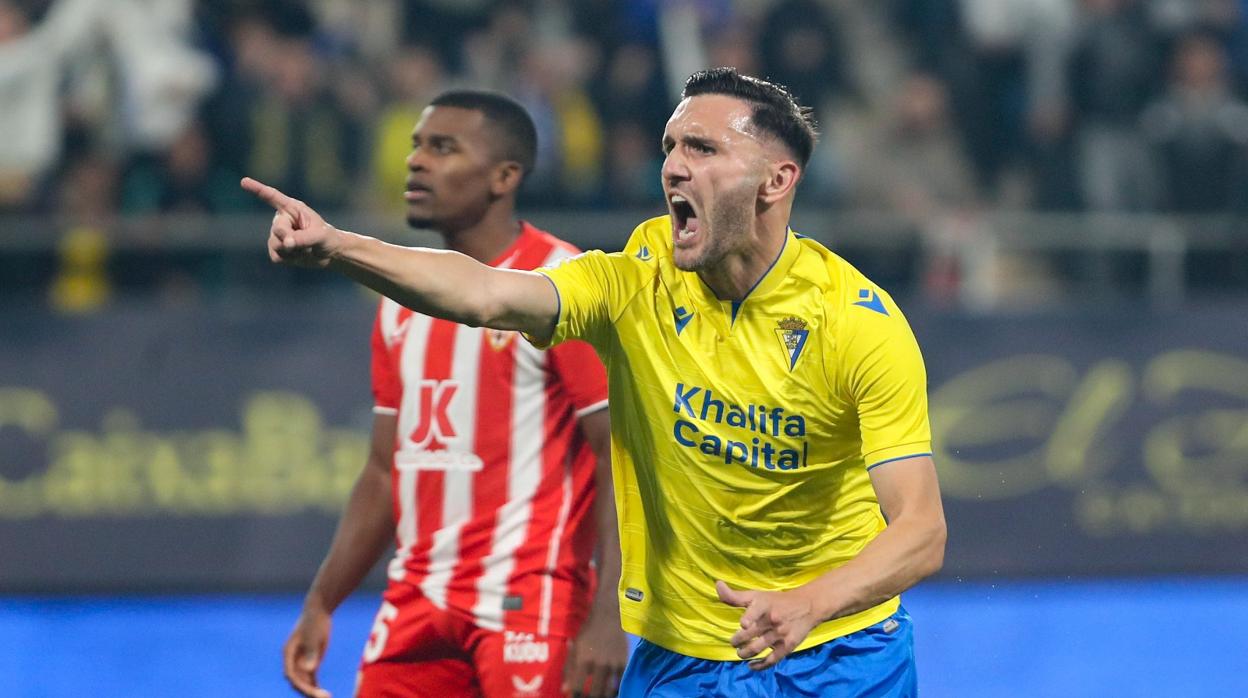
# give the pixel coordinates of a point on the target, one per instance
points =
(934, 111)
(139, 106)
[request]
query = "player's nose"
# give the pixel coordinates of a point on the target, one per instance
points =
(674, 168)
(416, 160)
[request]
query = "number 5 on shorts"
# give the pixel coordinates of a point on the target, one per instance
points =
(381, 631)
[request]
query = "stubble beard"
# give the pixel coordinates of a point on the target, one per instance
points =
(726, 226)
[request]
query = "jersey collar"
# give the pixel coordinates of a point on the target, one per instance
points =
(507, 258)
(778, 270)
(769, 281)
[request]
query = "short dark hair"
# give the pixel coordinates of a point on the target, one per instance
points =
(516, 130)
(776, 112)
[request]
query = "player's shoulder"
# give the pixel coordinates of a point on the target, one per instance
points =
(651, 240)
(540, 248)
(849, 294)
(649, 243)
(390, 317)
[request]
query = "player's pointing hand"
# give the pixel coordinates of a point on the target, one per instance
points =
(775, 620)
(298, 235)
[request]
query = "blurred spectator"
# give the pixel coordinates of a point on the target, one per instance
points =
(150, 85)
(370, 29)
(162, 78)
(88, 199)
(612, 22)
(552, 85)
(735, 45)
(1178, 17)
(919, 166)
(933, 31)
(1199, 132)
(444, 25)
(30, 120)
(414, 75)
(801, 48)
(1113, 67)
(182, 179)
(249, 49)
(1014, 88)
(631, 86)
(289, 124)
(633, 178)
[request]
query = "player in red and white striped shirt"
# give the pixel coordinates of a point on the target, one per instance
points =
(485, 457)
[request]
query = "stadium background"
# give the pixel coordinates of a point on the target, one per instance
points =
(1055, 191)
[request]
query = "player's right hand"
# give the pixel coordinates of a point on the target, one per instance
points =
(299, 235)
(305, 648)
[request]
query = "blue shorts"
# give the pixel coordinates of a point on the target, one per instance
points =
(875, 661)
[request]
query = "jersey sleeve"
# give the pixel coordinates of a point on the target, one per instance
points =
(887, 382)
(581, 375)
(387, 388)
(592, 288)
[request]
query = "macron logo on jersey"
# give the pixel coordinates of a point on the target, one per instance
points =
(683, 316)
(871, 300)
(644, 254)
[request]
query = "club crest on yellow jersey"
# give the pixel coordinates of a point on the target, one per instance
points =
(793, 334)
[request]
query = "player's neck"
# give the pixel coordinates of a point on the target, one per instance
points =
(741, 270)
(485, 239)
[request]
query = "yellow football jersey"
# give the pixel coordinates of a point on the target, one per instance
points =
(742, 432)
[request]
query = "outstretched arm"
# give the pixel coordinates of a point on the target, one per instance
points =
(433, 282)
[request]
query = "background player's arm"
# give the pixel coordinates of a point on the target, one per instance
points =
(433, 282)
(364, 532)
(597, 656)
(911, 547)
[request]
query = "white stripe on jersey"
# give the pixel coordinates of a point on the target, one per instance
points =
(457, 490)
(556, 536)
(557, 254)
(413, 356)
(528, 431)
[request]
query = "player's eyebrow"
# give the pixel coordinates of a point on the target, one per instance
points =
(433, 139)
(696, 141)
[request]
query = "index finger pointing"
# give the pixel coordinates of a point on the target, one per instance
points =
(269, 195)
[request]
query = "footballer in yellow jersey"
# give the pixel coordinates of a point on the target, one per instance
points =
(750, 426)
(770, 446)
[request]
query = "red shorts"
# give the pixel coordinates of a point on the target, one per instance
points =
(416, 650)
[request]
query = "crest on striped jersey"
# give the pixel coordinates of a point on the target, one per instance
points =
(499, 339)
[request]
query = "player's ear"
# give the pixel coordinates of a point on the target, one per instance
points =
(782, 176)
(506, 177)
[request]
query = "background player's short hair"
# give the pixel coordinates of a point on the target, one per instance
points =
(507, 117)
(776, 112)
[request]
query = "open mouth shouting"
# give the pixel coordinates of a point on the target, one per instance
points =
(685, 223)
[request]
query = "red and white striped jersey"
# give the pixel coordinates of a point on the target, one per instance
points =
(493, 479)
